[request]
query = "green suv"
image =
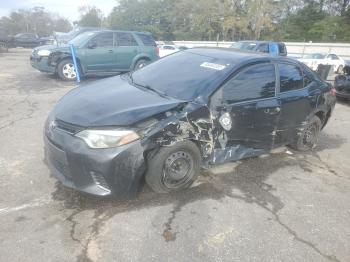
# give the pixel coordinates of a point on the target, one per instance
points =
(104, 52)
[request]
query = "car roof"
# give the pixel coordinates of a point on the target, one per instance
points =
(239, 56)
(259, 41)
(116, 31)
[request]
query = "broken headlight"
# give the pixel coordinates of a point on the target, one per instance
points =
(44, 53)
(107, 138)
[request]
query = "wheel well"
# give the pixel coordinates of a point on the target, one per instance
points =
(323, 116)
(69, 57)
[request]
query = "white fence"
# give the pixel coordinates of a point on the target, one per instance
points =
(296, 49)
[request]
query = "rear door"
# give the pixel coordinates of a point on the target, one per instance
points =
(99, 53)
(250, 109)
(298, 94)
(127, 49)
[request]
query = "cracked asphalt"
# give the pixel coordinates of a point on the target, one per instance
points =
(285, 206)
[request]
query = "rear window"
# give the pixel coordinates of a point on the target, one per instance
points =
(147, 40)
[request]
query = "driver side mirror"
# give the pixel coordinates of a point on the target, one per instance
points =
(92, 45)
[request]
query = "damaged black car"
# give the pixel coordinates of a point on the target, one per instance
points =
(192, 109)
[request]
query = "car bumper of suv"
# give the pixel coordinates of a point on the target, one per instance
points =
(343, 94)
(114, 171)
(41, 63)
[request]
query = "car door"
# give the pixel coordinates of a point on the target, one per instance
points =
(249, 111)
(298, 96)
(127, 49)
(99, 53)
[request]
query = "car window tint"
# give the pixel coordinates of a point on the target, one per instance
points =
(256, 82)
(290, 77)
(334, 57)
(168, 47)
(126, 39)
(263, 48)
(282, 48)
(103, 40)
(147, 40)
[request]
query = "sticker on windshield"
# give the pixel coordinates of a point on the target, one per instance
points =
(213, 66)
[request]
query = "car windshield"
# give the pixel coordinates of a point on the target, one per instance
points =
(315, 56)
(183, 75)
(244, 45)
(80, 39)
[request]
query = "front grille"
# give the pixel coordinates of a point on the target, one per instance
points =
(68, 127)
(58, 159)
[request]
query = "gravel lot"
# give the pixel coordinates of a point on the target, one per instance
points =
(285, 206)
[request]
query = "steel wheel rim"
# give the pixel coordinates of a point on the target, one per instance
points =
(68, 71)
(178, 169)
(141, 65)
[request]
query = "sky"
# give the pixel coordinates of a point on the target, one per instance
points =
(65, 8)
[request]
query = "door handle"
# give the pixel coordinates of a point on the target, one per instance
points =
(272, 111)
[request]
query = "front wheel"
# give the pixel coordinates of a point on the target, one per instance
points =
(66, 70)
(308, 138)
(173, 168)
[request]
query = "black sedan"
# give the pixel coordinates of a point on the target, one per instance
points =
(192, 109)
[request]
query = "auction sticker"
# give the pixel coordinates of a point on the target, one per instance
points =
(213, 66)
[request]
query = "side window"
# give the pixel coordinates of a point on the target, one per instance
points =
(290, 77)
(147, 40)
(282, 48)
(167, 47)
(264, 48)
(126, 39)
(255, 82)
(335, 57)
(103, 40)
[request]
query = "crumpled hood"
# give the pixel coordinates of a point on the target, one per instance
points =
(60, 47)
(110, 102)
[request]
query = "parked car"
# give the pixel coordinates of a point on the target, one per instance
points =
(315, 59)
(27, 40)
(165, 50)
(273, 48)
(342, 83)
(103, 52)
(199, 107)
(5, 40)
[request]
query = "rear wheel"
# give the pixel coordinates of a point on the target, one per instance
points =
(140, 63)
(173, 168)
(308, 139)
(66, 70)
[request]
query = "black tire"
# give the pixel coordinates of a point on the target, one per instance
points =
(173, 168)
(340, 69)
(140, 63)
(309, 136)
(65, 70)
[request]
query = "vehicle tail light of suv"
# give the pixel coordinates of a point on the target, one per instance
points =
(333, 91)
(157, 50)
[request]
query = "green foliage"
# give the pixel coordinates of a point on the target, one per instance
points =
(286, 20)
(90, 16)
(35, 20)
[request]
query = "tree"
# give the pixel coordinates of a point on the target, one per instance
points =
(90, 16)
(35, 20)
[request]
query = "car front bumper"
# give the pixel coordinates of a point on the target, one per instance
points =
(42, 64)
(114, 171)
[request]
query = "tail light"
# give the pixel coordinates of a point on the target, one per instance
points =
(157, 50)
(333, 91)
